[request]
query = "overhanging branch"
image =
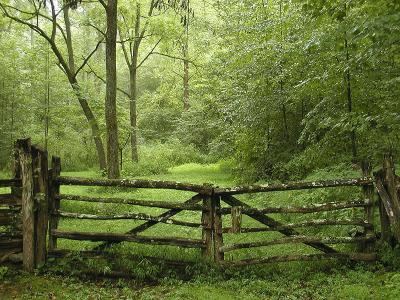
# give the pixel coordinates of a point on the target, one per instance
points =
(86, 60)
(104, 81)
(175, 57)
(148, 55)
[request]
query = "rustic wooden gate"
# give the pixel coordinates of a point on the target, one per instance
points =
(31, 211)
(208, 200)
(323, 244)
(195, 204)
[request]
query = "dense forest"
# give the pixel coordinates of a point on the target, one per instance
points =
(272, 88)
(258, 141)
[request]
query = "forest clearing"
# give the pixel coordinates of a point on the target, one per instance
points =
(199, 149)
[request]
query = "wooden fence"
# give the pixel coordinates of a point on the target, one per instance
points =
(36, 189)
(208, 200)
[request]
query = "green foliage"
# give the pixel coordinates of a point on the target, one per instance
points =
(283, 73)
(3, 272)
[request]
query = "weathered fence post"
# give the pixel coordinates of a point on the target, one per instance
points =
(236, 215)
(207, 227)
(217, 229)
(16, 173)
(390, 180)
(28, 202)
(53, 201)
(368, 193)
(40, 177)
(390, 207)
(385, 223)
(16, 192)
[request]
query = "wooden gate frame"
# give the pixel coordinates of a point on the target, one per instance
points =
(38, 188)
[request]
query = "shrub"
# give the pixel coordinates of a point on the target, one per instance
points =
(3, 272)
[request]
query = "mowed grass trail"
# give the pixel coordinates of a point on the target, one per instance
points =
(295, 280)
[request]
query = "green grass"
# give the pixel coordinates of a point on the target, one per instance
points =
(295, 280)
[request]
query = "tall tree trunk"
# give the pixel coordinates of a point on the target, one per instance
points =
(12, 114)
(349, 94)
(133, 66)
(132, 107)
(186, 104)
(350, 105)
(71, 58)
(111, 91)
(94, 126)
(284, 114)
(47, 98)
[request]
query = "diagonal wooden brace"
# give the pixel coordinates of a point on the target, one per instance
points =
(273, 223)
(162, 218)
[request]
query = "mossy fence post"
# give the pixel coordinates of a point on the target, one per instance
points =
(369, 194)
(389, 202)
(217, 229)
(32, 163)
(207, 228)
(212, 228)
(40, 189)
(54, 201)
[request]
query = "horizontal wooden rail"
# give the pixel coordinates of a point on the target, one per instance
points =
(10, 235)
(303, 209)
(128, 216)
(6, 220)
(118, 237)
(11, 210)
(310, 223)
(137, 183)
(295, 257)
(10, 182)
(364, 181)
(296, 240)
(61, 253)
(146, 203)
(9, 199)
(8, 217)
(208, 189)
(11, 244)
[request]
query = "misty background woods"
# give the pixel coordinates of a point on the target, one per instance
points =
(271, 89)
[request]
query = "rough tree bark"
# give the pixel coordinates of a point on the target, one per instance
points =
(111, 91)
(133, 87)
(349, 93)
(186, 104)
(281, 88)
